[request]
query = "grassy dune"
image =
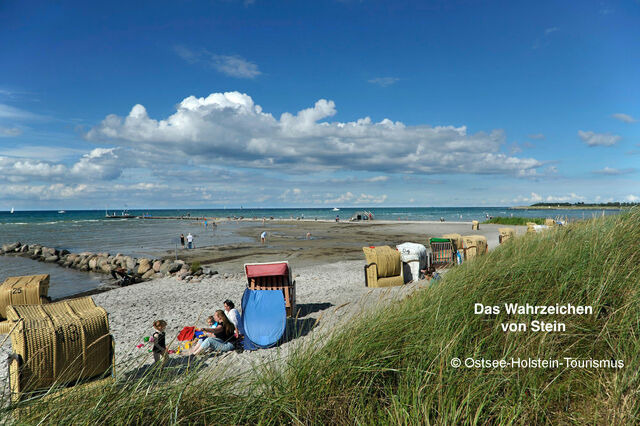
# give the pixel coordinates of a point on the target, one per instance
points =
(393, 365)
(515, 220)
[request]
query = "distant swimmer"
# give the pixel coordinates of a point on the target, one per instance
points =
(308, 235)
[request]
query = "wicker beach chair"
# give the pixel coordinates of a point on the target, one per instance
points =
(58, 344)
(456, 239)
(474, 245)
(443, 252)
(475, 225)
(273, 276)
(506, 234)
(25, 290)
(383, 268)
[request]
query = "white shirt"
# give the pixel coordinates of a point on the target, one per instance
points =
(263, 235)
(189, 238)
(236, 319)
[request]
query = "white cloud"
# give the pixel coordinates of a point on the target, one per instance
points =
(536, 136)
(384, 81)
(235, 66)
(9, 112)
(598, 139)
(9, 132)
(545, 39)
(230, 128)
(99, 164)
(614, 172)
(632, 198)
(231, 65)
(563, 198)
(43, 192)
(624, 118)
(371, 199)
(550, 30)
(378, 179)
(344, 198)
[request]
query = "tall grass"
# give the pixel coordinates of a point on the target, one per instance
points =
(393, 364)
(515, 220)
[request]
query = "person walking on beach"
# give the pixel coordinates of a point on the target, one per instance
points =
(263, 237)
(159, 344)
(189, 241)
(182, 240)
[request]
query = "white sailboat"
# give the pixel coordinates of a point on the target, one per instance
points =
(335, 209)
(11, 210)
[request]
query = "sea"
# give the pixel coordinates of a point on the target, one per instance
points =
(90, 230)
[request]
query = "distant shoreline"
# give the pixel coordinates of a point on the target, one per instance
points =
(570, 207)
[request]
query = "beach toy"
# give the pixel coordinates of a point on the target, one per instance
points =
(146, 338)
(140, 345)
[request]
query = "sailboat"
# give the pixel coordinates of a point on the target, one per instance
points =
(335, 209)
(11, 210)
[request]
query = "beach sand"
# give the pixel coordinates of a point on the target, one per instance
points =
(328, 270)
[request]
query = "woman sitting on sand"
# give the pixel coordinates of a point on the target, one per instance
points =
(220, 338)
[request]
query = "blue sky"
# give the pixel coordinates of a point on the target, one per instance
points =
(349, 103)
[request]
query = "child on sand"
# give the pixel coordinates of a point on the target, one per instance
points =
(158, 336)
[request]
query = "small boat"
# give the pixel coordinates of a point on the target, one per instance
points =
(335, 209)
(61, 211)
(124, 215)
(11, 210)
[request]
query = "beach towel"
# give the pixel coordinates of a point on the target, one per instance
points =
(187, 333)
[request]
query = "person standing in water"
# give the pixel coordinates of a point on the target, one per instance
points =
(263, 237)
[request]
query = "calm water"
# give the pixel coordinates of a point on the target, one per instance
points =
(79, 231)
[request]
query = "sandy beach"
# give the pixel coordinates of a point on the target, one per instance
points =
(329, 285)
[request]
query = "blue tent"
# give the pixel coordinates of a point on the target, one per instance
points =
(264, 318)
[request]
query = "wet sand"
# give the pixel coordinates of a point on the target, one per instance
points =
(330, 241)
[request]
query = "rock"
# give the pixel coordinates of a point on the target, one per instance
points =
(175, 267)
(198, 272)
(145, 265)
(196, 279)
(24, 248)
(93, 262)
(213, 273)
(107, 267)
(11, 247)
(150, 274)
(164, 269)
(188, 278)
(157, 265)
(64, 252)
(129, 262)
(37, 251)
(226, 276)
(51, 259)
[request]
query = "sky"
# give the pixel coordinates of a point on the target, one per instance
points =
(223, 103)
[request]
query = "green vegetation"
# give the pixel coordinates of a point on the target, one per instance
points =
(393, 365)
(195, 266)
(581, 204)
(515, 220)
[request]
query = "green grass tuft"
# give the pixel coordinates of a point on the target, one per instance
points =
(515, 220)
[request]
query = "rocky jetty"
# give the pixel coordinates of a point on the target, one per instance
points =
(141, 269)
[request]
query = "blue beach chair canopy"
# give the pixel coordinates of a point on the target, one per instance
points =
(264, 317)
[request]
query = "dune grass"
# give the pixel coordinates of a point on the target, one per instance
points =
(515, 220)
(393, 364)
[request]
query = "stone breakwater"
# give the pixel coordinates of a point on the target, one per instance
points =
(141, 269)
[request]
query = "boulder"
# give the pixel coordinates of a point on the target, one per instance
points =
(64, 252)
(157, 265)
(164, 269)
(51, 259)
(24, 248)
(93, 262)
(150, 274)
(107, 267)
(11, 247)
(175, 267)
(144, 266)
(130, 262)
